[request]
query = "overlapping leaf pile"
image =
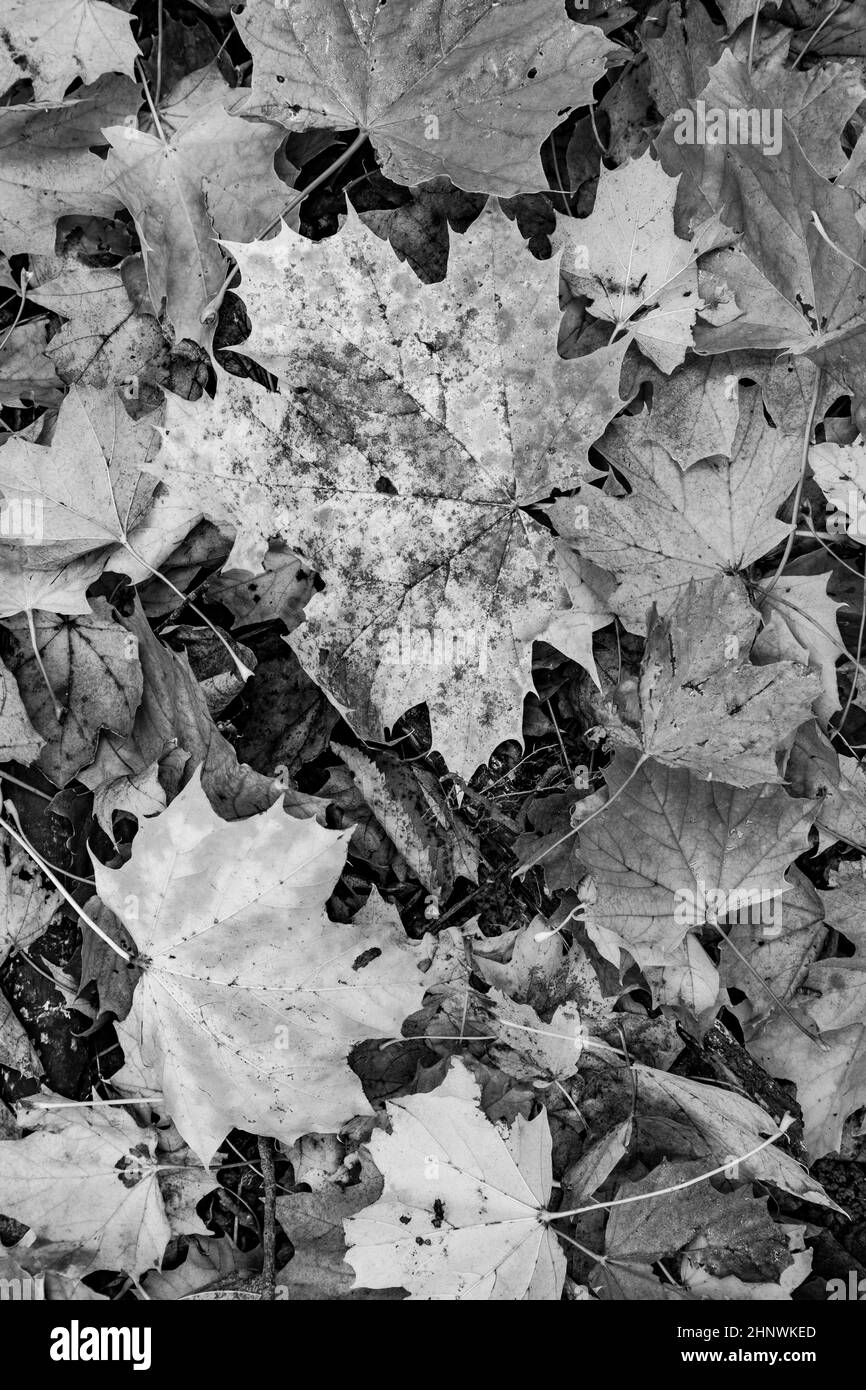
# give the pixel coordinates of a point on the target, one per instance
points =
(431, 580)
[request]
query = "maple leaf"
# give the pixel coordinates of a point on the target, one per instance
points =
(229, 921)
(44, 1263)
(772, 204)
(728, 1124)
(88, 481)
(90, 1177)
(59, 589)
(817, 105)
(779, 956)
(831, 1083)
(173, 721)
(110, 337)
(736, 1230)
(627, 259)
(26, 371)
(208, 173)
(694, 412)
(57, 41)
(672, 840)
(702, 704)
(400, 476)
(47, 169)
(470, 92)
(673, 527)
(461, 1212)
(697, 1277)
(314, 1223)
(800, 623)
(19, 741)
(94, 681)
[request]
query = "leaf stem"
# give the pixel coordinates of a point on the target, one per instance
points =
(530, 863)
(52, 877)
(784, 1125)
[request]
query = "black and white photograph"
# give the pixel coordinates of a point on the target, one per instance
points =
(432, 670)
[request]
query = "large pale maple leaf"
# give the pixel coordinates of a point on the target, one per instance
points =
(441, 87)
(250, 999)
(462, 1213)
(416, 428)
(93, 1178)
(56, 41)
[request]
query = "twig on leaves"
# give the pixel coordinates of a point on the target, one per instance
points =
(40, 863)
(531, 863)
(784, 1126)
(269, 1239)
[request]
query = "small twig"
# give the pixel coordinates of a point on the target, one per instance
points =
(531, 863)
(25, 786)
(813, 36)
(158, 89)
(52, 877)
(755, 16)
(26, 277)
(269, 1236)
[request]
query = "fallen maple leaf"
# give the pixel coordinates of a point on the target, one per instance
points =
(409, 805)
(19, 741)
(234, 945)
(729, 1124)
(47, 169)
(816, 282)
(57, 41)
(173, 724)
(627, 259)
(94, 681)
(702, 704)
(670, 840)
(111, 336)
(695, 411)
(831, 1083)
(206, 174)
(461, 1213)
(88, 482)
(416, 514)
(91, 1177)
(470, 92)
(674, 526)
(26, 908)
